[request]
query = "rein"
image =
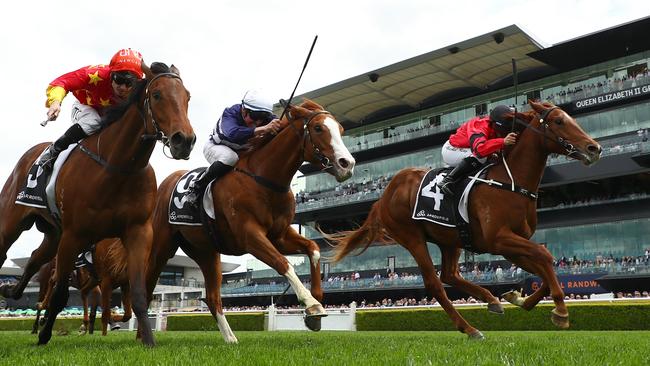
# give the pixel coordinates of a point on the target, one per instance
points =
(325, 162)
(158, 134)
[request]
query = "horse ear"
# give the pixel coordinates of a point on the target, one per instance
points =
(147, 71)
(538, 107)
(174, 70)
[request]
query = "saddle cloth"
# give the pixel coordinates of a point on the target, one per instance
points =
(39, 189)
(434, 206)
(183, 213)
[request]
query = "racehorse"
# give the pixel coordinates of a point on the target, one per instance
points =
(108, 272)
(106, 189)
(501, 221)
(254, 208)
(110, 266)
(79, 281)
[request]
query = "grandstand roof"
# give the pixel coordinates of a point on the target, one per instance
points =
(457, 71)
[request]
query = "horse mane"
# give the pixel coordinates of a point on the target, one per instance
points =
(116, 112)
(116, 258)
(257, 142)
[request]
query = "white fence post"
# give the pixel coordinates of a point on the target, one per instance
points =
(353, 316)
(271, 320)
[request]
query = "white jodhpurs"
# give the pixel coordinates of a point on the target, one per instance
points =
(216, 152)
(87, 117)
(452, 156)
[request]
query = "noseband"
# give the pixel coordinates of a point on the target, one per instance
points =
(158, 134)
(306, 136)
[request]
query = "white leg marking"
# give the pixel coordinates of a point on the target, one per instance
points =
(303, 294)
(225, 330)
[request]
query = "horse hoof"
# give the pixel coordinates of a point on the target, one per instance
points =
(231, 340)
(513, 297)
(559, 320)
(313, 323)
(313, 315)
(496, 308)
(476, 336)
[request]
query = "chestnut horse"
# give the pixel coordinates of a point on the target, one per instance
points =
(109, 266)
(501, 221)
(106, 189)
(254, 208)
(79, 281)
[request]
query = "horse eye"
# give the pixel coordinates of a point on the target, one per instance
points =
(156, 95)
(318, 128)
(559, 121)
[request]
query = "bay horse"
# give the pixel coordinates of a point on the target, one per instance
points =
(78, 280)
(501, 221)
(254, 209)
(109, 272)
(106, 189)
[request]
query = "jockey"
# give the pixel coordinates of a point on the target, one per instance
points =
(96, 87)
(474, 141)
(252, 117)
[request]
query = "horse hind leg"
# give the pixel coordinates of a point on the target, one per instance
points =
(59, 297)
(451, 276)
(418, 249)
(43, 254)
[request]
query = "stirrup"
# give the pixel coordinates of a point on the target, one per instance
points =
(192, 197)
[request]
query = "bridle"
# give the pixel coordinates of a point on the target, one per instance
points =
(569, 149)
(306, 136)
(158, 134)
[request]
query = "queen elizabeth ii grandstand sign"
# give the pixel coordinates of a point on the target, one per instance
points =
(611, 97)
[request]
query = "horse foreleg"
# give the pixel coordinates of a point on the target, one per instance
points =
(107, 292)
(43, 254)
(126, 304)
(95, 298)
(138, 242)
(84, 301)
(294, 243)
(210, 264)
(38, 316)
(59, 298)
(259, 246)
(529, 255)
(528, 302)
(451, 276)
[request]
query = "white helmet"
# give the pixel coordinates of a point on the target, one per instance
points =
(256, 100)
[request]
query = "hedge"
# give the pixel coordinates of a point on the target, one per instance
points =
(69, 325)
(247, 321)
(581, 316)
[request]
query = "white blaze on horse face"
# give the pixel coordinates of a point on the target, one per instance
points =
(340, 151)
(302, 293)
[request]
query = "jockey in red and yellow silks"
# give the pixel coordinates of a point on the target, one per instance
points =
(96, 87)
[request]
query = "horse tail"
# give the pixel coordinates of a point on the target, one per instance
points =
(371, 231)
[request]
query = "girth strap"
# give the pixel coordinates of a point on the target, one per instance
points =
(265, 182)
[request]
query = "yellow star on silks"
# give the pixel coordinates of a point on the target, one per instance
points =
(94, 78)
(89, 100)
(104, 102)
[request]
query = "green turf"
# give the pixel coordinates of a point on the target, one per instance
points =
(574, 348)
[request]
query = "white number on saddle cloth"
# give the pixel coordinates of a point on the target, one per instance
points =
(437, 195)
(182, 187)
(31, 182)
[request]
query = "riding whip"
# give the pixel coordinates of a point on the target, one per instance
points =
(514, 78)
(288, 103)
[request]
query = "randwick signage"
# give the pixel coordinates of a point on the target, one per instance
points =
(611, 97)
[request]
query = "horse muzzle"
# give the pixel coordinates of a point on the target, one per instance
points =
(181, 145)
(590, 155)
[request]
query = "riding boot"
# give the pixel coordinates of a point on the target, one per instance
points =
(214, 171)
(72, 135)
(466, 166)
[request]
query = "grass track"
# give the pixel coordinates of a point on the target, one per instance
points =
(334, 348)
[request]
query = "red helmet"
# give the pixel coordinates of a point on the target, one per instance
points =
(127, 60)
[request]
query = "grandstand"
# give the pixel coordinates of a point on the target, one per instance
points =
(595, 221)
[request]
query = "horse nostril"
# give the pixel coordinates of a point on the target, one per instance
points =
(177, 139)
(344, 163)
(594, 149)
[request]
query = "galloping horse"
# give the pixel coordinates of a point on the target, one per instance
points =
(254, 209)
(106, 189)
(109, 272)
(79, 280)
(501, 221)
